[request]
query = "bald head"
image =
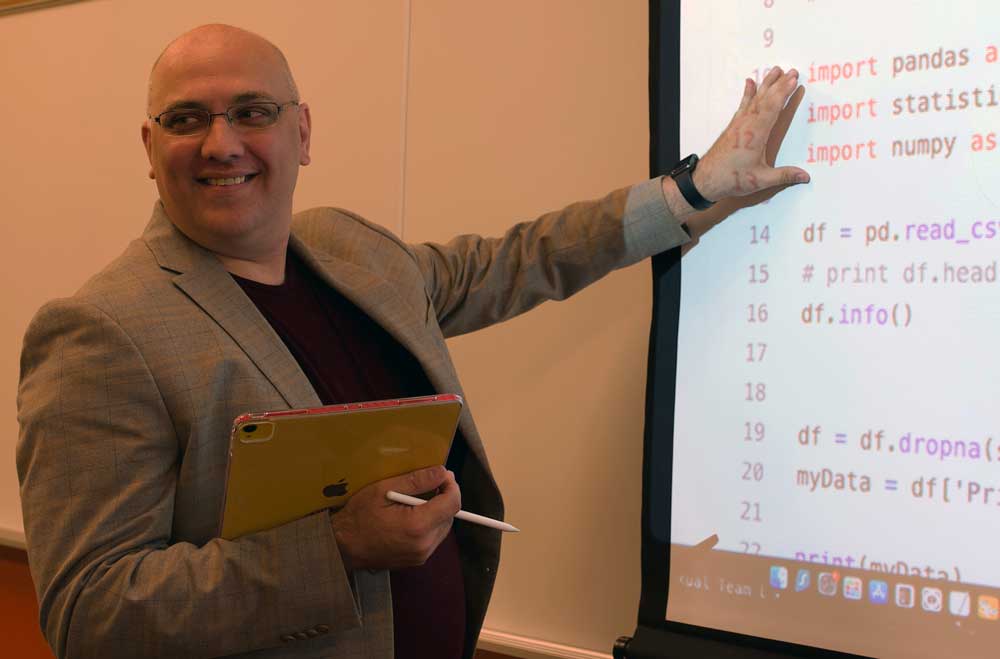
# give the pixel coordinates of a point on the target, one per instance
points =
(229, 186)
(209, 42)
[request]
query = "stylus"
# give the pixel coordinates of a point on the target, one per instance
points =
(461, 514)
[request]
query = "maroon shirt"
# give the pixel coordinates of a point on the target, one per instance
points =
(349, 358)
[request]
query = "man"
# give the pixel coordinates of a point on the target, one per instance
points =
(228, 304)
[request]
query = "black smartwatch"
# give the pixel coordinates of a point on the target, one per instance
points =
(681, 173)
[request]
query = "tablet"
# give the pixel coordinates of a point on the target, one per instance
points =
(288, 464)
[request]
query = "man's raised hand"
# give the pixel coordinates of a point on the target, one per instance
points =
(741, 161)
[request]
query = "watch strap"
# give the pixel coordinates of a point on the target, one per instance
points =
(690, 193)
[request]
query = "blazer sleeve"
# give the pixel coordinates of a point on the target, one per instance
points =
(98, 460)
(474, 282)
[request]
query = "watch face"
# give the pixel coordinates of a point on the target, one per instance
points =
(687, 163)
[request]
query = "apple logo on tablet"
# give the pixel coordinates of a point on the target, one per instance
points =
(337, 489)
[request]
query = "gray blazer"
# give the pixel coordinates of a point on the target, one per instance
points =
(129, 388)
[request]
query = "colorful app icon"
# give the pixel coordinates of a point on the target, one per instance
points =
(904, 595)
(779, 577)
(852, 588)
(801, 580)
(931, 599)
(989, 607)
(878, 592)
(828, 583)
(958, 603)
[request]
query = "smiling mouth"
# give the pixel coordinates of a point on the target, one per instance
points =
(223, 182)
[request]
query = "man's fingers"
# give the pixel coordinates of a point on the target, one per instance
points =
(783, 176)
(448, 500)
(770, 99)
(749, 89)
(782, 124)
(417, 482)
(785, 87)
(772, 76)
(450, 489)
(764, 104)
(440, 508)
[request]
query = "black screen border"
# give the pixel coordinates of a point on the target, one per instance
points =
(655, 635)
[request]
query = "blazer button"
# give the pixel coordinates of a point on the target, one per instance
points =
(287, 638)
(322, 629)
(301, 636)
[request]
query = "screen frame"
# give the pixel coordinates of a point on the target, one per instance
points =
(654, 630)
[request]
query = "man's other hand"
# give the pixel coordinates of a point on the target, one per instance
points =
(375, 533)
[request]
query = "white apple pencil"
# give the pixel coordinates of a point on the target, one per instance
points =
(461, 514)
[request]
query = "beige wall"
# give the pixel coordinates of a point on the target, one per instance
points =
(432, 117)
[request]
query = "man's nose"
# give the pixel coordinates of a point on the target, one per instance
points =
(222, 141)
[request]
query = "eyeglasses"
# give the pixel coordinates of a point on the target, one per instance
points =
(245, 116)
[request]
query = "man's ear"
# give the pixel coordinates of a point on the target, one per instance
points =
(305, 131)
(147, 142)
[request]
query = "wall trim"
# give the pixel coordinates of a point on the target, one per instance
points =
(524, 647)
(25, 5)
(11, 538)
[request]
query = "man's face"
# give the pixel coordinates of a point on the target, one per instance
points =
(194, 173)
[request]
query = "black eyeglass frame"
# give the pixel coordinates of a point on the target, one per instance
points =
(226, 114)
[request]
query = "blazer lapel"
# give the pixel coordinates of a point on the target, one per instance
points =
(203, 278)
(379, 299)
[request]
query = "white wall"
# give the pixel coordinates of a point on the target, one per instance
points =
(432, 117)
